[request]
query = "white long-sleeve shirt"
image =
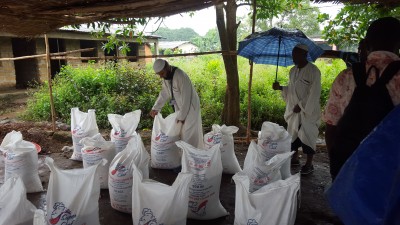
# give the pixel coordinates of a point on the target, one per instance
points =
(188, 105)
(304, 89)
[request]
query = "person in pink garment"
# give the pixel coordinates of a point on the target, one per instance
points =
(382, 44)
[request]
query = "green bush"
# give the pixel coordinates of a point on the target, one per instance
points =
(108, 88)
(121, 88)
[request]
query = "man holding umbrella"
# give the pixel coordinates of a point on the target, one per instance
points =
(302, 114)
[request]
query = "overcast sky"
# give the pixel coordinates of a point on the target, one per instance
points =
(204, 20)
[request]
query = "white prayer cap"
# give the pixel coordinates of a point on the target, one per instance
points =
(302, 46)
(159, 65)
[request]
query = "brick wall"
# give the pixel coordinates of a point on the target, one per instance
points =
(7, 68)
(7, 71)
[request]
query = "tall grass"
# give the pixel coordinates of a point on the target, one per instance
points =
(121, 88)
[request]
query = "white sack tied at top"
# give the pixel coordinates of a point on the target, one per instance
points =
(274, 139)
(164, 152)
(82, 125)
(94, 150)
(206, 167)
(120, 173)
(263, 172)
(275, 203)
(21, 160)
(73, 195)
(224, 135)
(157, 203)
(9, 139)
(15, 208)
(123, 128)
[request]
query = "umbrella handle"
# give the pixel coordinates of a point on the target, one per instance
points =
(277, 61)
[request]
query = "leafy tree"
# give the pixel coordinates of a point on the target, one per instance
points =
(210, 41)
(351, 23)
(303, 17)
(181, 34)
(227, 28)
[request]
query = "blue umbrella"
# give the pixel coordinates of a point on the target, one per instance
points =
(275, 46)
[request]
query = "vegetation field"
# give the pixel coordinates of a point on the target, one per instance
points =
(124, 87)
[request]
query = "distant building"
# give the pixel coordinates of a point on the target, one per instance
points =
(177, 46)
(19, 73)
(324, 44)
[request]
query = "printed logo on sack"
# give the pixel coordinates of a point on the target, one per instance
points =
(10, 156)
(94, 150)
(252, 222)
(214, 139)
(77, 131)
(161, 137)
(199, 209)
(260, 180)
(198, 163)
(61, 215)
(269, 143)
(148, 218)
(120, 170)
(120, 133)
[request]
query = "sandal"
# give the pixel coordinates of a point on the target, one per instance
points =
(307, 169)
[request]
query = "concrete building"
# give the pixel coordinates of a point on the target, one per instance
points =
(180, 46)
(19, 73)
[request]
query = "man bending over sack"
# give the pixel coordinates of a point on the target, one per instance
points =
(179, 90)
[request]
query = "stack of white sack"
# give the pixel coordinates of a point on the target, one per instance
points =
(224, 135)
(261, 172)
(123, 128)
(21, 160)
(120, 174)
(274, 139)
(82, 125)
(275, 203)
(73, 195)
(157, 203)
(15, 209)
(206, 167)
(263, 195)
(164, 152)
(94, 150)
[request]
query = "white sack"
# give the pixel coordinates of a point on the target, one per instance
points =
(206, 167)
(157, 203)
(262, 172)
(275, 203)
(164, 152)
(8, 140)
(22, 160)
(39, 218)
(123, 128)
(94, 150)
(82, 125)
(224, 135)
(120, 174)
(72, 195)
(274, 139)
(15, 209)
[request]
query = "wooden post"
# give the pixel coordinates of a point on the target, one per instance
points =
(248, 132)
(53, 111)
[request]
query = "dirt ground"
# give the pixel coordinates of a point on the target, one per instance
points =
(313, 210)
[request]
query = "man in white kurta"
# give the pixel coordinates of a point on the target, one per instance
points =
(184, 98)
(302, 114)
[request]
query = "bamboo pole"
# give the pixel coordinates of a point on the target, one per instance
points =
(53, 111)
(248, 131)
(60, 55)
(143, 56)
(45, 55)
